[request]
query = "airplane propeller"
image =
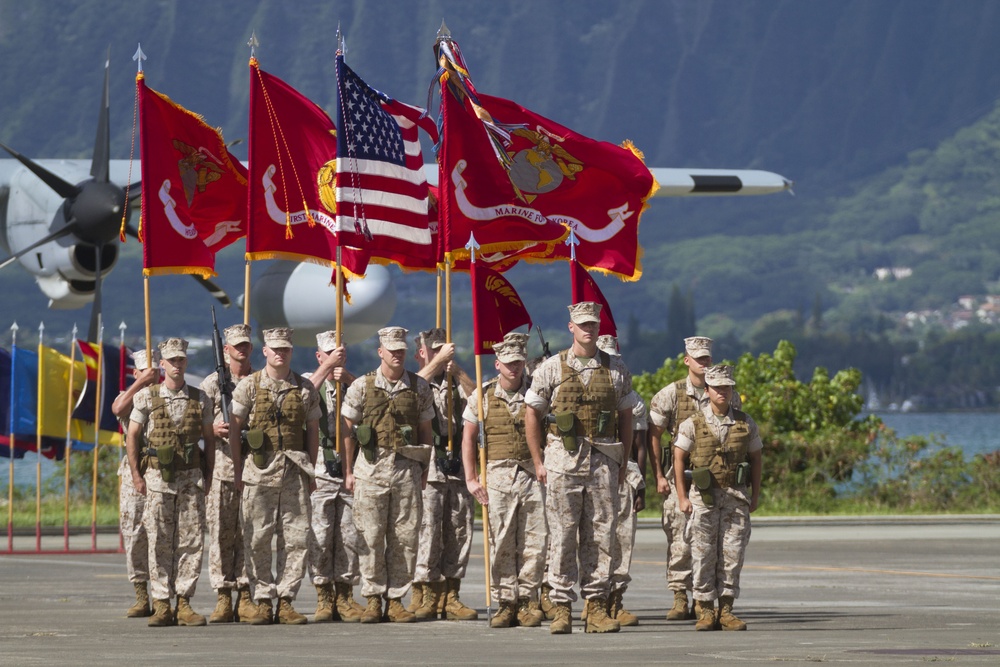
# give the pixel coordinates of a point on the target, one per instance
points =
(92, 210)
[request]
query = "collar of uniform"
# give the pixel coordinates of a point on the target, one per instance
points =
(516, 397)
(166, 392)
(723, 420)
(691, 390)
(387, 384)
(267, 381)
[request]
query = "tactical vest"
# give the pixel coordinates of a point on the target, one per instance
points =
(281, 421)
(588, 402)
(505, 438)
(685, 406)
(385, 415)
(440, 435)
(166, 433)
(325, 437)
(722, 459)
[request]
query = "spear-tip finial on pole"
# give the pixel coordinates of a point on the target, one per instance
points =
(443, 33)
(121, 333)
(138, 56)
(75, 330)
(572, 242)
(253, 44)
(341, 42)
(472, 246)
(107, 61)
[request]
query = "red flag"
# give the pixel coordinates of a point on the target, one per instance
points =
(293, 153)
(585, 289)
(496, 308)
(194, 192)
(382, 191)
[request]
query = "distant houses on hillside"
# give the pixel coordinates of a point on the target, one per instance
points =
(967, 309)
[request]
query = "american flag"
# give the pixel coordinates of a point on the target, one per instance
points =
(382, 192)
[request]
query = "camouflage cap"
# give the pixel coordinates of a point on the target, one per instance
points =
(236, 334)
(509, 351)
(697, 347)
(392, 338)
(327, 341)
(139, 359)
(173, 348)
(433, 338)
(517, 337)
(278, 337)
(585, 311)
(719, 376)
(608, 343)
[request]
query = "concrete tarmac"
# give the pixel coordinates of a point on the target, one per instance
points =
(880, 591)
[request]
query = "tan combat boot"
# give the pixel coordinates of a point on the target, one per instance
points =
(373, 611)
(705, 613)
(416, 597)
(324, 604)
(504, 618)
(397, 613)
(245, 607)
(344, 604)
(562, 619)
(680, 611)
(259, 614)
(454, 608)
(618, 612)
(162, 614)
(141, 607)
(727, 620)
(186, 615)
(223, 612)
(432, 593)
(597, 617)
(527, 617)
(287, 614)
(545, 604)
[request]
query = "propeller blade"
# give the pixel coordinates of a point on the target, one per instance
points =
(58, 234)
(100, 164)
(93, 332)
(134, 191)
(62, 188)
(131, 231)
(215, 290)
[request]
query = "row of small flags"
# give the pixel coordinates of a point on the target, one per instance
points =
(512, 185)
(37, 398)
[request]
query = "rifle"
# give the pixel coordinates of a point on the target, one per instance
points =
(220, 368)
(545, 346)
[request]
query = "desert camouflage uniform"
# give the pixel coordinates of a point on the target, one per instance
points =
(448, 509)
(518, 531)
(663, 413)
(130, 509)
(333, 547)
(719, 534)
(627, 520)
(276, 497)
(387, 505)
(581, 499)
(174, 515)
(226, 565)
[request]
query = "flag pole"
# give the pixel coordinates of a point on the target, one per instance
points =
(437, 306)
(69, 440)
(97, 424)
(448, 377)
(246, 294)
(10, 442)
(576, 288)
(338, 336)
(121, 387)
(38, 437)
(472, 246)
(253, 44)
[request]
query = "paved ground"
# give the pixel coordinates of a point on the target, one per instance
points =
(870, 592)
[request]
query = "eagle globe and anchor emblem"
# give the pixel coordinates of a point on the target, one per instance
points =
(541, 167)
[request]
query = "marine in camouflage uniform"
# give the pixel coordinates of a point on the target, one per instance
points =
(667, 410)
(724, 450)
(513, 497)
(166, 423)
(333, 544)
(391, 410)
(276, 476)
(226, 564)
(589, 396)
(448, 511)
(130, 501)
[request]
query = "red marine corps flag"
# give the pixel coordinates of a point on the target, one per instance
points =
(194, 193)
(496, 307)
(584, 288)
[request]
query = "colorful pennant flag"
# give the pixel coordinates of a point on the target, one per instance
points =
(496, 308)
(92, 356)
(194, 192)
(382, 191)
(584, 288)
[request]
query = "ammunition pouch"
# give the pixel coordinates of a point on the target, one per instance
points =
(165, 461)
(702, 479)
(566, 429)
(742, 473)
(450, 464)
(332, 462)
(255, 444)
(603, 419)
(365, 435)
(406, 433)
(143, 465)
